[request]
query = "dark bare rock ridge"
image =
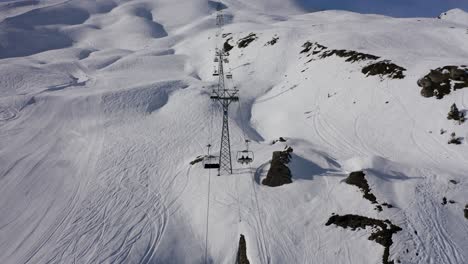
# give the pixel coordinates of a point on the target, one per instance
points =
(273, 41)
(315, 47)
(358, 179)
(242, 252)
(442, 81)
(279, 173)
(384, 68)
(280, 139)
(227, 46)
(382, 232)
(350, 55)
(244, 42)
(453, 181)
(466, 211)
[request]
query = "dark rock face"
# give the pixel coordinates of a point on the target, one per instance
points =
(315, 47)
(242, 252)
(382, 233)
(426, 92)
(281, 139)
(441, 81)
(466, 211)
(226, 46)
(358, 179)
(272, 41)
(244, 42)
(279, 173)
(453, 181)
(352, 56)
(323, 52)
(425, 83)
(384, 68)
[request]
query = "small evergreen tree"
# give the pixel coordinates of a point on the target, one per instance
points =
(454, 139)
(455, 114)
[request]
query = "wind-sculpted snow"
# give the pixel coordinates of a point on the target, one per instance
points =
(105, 104)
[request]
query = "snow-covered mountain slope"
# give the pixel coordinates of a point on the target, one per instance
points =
(455, 15)
(104, 104)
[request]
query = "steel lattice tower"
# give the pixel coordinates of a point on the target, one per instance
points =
(225, 97)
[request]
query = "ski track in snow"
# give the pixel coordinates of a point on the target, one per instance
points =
(447, 252)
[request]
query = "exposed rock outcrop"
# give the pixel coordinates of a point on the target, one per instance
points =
(242, 252)
(280, 139)
(279, 173)
(272, 41)
(315, 47)
(350, 55)
(244, 42)
(382, 233)
(227, 46)
(443, 81)
(384, 68)
(358, 179)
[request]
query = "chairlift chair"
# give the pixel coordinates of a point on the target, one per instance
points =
(215, 73)
(245, 157)
(210, 161)
(229, 75)
(216, 59)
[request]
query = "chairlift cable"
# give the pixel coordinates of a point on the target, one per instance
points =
(241, 116)
(207, 217)
(211, 121)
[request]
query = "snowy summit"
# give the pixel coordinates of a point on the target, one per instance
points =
(241, 131)
(455, 15)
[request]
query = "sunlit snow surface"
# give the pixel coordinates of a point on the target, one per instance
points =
(103, 104)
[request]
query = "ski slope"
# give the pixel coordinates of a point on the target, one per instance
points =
(103, 105)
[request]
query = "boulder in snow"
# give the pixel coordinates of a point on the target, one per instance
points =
(279, 173)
